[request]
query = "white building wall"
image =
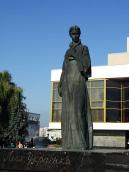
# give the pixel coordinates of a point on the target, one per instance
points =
(52, 132)
(43, 132)
(112, 71)
(118, 58)
(97, 126)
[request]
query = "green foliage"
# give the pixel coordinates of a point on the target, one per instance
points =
(13, 115)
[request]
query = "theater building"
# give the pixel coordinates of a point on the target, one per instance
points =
(109, 99)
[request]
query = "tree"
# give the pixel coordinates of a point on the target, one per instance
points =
(13, 114)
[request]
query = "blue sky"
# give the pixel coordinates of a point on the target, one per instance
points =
(34, 37)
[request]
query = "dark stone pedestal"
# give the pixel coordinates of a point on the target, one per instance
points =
(32, 160)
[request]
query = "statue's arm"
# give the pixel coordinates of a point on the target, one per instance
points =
(86, 62)
(62, 76)
(60, 82)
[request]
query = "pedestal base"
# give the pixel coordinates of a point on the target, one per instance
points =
(45, 160)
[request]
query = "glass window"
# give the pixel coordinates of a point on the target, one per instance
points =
(96, 95)
(113, 101)
(117, 100)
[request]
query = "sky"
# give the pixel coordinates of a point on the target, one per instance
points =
(34, 37)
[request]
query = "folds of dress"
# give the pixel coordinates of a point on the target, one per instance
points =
(76, 118)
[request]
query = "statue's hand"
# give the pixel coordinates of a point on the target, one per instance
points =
(71, 58)
(60, 90)
(83, 73)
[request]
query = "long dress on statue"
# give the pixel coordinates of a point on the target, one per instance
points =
(76, 120)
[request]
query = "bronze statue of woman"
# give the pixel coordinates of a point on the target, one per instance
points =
(76, 119)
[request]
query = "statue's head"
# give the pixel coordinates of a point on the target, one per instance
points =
(74, 29)
(74, 33)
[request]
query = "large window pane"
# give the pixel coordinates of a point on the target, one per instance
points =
(97, 83)
(97, 115)
(125, 93)
(56, 97)
(56, 115)
(113, 115)
(125, 83)
(125, 104)
(55, 85)
(113, 94)
(56, 104)
(97, 104)
(126, 115)
(88, 83)
(97, 94)
(113, 83)
(113, 104)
